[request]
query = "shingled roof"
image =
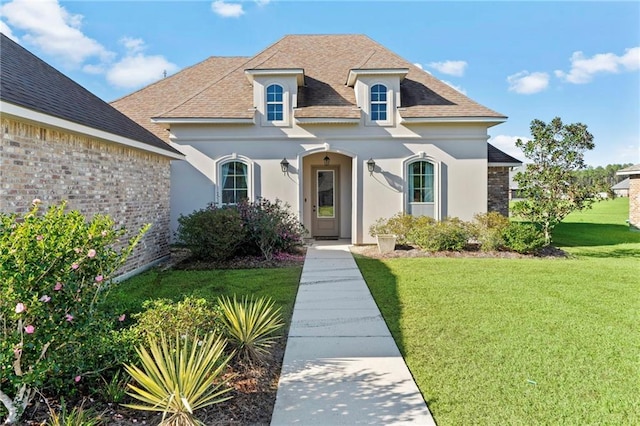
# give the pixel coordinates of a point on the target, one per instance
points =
(497, 157)
(27, 81)
(218, 87)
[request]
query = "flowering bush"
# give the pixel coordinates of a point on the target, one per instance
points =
(54, 274)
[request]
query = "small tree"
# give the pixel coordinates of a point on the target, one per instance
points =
(549, 184)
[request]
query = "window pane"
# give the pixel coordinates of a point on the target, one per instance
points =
(326, 202)
(421, 182)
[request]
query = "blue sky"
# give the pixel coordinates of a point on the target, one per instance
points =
(527, 60)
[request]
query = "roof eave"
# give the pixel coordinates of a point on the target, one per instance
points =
(201, 120)
(70, 126)
(326, 120)
(514, 164)
(272, 72)
(354, 73)
(430, 120)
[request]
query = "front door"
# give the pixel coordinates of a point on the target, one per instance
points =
(325, 208)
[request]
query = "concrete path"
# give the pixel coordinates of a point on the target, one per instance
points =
(341, 365)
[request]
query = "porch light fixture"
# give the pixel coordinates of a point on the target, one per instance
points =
(371, 165)
(284, 165)
(326, 160)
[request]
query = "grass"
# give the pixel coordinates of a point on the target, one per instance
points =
(523, 341)
(281, 284)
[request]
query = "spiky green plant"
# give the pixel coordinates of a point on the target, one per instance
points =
(250, 325)
(179, 376)
(78, 416)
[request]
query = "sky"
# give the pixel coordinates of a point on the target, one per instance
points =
(579, 61)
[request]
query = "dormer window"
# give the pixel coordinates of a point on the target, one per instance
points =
(275, 103)
(379, 102)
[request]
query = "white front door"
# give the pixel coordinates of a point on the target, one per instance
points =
(325, 209)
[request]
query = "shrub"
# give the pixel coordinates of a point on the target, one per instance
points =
(271, 227)
(188, 316)
(179, 376)
(250, 325)
(55, 271)
(399, 225)
(523, 238)
(212, 233)
(78, 416)
(488, 229)
(450, 234)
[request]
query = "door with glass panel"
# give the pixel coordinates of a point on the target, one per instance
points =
(325, 207)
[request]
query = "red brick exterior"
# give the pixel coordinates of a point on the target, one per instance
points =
(94, 176)
(498, 190)
(634, 201)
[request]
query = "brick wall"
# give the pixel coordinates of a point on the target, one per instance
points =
(498, 190)
(94, 176)
(634, 200)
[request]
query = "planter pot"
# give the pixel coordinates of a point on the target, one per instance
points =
(386, 243)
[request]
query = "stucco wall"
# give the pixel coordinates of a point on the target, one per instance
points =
(460, 151)
(634, 201)
(94, 176)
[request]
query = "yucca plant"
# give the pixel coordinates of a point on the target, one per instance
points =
(250, 325)
(179, 376)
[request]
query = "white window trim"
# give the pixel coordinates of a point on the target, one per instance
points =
(286, 105)
(390, 103)
(421, 156)
(250, 173)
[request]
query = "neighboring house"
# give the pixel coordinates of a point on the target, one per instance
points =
(633, 172)
(514, 187)
(621, 189)
(338, 126)
(60, 142)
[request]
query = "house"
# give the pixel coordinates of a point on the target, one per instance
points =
(60, 142)
(338, 126)
(621, 189)
(633, 172)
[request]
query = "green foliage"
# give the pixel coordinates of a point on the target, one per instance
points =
(601, 178)
(271, 226)
(114, 389)
(451, 234)
(488, 229)
(78, 416)
(179, 376)
(55, 271)
(549, 185)
(189, 316)
(523, 238)
(250, 325)
(212, 233)
(399, 225)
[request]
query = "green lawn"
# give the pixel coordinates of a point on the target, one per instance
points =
(281, 284)
(524, 341)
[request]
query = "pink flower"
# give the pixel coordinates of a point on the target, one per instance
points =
(77, 378)
(122, 317)
(39, 238)
(99, 278)
(91, 254)
(58, 286)
(69, 317)
(74, 266)
(45, 298)
(20, 308)
(29, 329)
(36, 201)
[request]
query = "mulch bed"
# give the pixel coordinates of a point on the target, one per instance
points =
(472, 251)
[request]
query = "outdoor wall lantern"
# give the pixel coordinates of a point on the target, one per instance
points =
(284, 165)
(326, 160)
(371, 165)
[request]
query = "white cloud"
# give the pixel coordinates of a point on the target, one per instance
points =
(52, 29)
(507, 143)
(4, 29)
(418, 65)
(583, 69)
(455, 68)
(458, 88)
(137, 69)
(227, 10)
(528, 83)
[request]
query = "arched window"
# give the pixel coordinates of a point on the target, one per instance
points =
(379, 102)
(275, 103)
(421, 182)
(234, 182)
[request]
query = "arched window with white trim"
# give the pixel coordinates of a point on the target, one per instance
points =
(275, 103)
(234, 182)
(378, 105)
(422, 188)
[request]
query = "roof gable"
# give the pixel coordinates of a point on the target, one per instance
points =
(496, 156)
(29, 82)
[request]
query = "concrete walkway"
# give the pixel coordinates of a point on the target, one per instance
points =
(341, 365)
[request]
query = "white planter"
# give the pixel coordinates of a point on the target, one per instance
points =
(386, 243)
